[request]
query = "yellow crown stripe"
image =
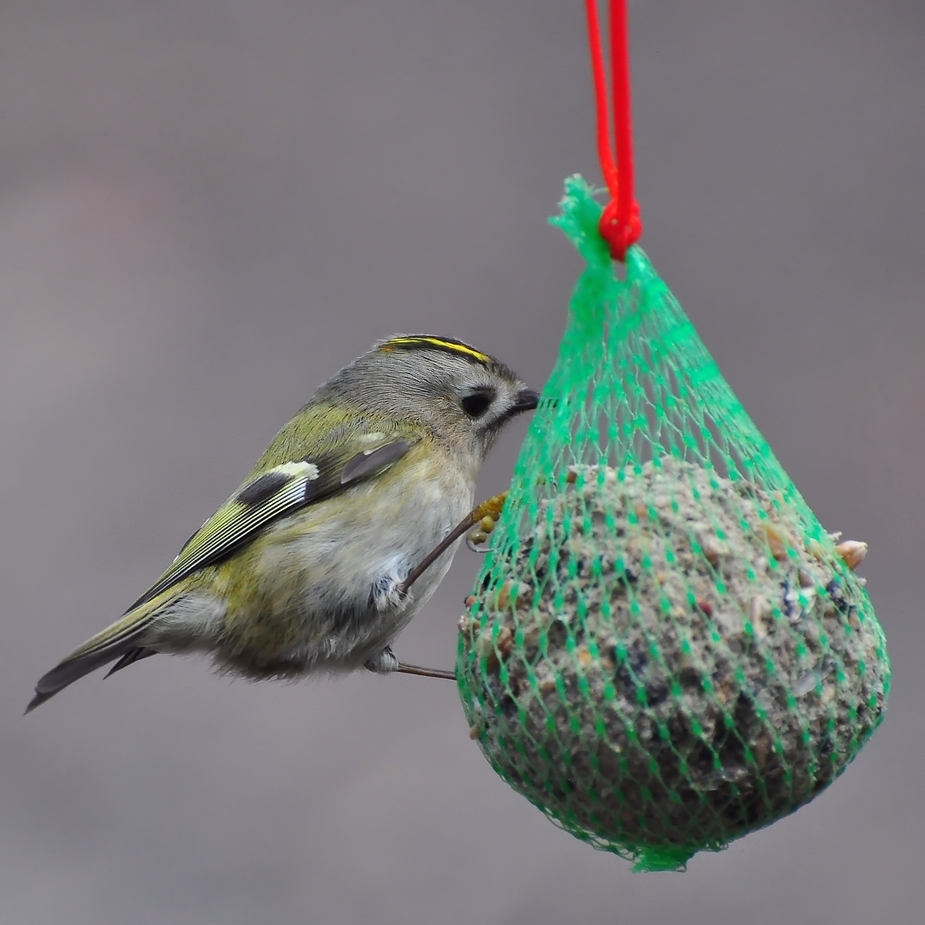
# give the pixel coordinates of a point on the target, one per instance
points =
(439, 343)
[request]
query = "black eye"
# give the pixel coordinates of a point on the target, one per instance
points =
(476, 404)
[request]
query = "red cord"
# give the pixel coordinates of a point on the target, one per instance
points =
(620, 225)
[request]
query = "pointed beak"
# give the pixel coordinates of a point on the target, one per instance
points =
(526, 400)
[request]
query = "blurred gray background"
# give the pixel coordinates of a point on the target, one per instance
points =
(206, 208)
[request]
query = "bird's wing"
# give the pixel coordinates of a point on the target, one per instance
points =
(279, 491)
(293, 473)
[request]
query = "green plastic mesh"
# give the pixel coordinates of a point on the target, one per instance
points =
(664, 650)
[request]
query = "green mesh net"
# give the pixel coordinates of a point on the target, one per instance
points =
(665, 649)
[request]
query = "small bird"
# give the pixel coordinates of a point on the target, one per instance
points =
(305, 568)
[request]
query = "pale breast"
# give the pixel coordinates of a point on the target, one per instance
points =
(336, 567)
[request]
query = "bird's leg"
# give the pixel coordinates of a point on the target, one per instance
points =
(485, 515)
(425, 672)
(386, 662)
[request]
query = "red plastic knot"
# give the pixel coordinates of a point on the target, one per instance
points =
(619, 234)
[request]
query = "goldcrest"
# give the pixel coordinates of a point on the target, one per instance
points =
(302, 570)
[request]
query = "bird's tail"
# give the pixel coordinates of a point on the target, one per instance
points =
(116, 641)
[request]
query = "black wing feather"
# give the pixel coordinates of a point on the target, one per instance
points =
(270, 496)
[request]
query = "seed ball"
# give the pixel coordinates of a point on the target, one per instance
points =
(670, 659)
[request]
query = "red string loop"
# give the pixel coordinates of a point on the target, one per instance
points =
(620, 225)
